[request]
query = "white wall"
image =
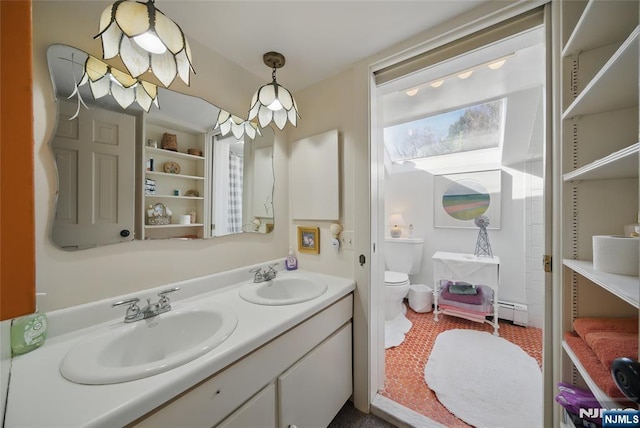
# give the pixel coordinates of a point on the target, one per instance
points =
(534, 242)
(71, 278)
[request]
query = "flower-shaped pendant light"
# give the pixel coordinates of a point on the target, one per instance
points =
(106, 80)
(146, 40)
(273, 102)
(236, 125)
(125, 89)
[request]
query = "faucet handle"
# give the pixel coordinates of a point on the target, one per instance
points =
(169, 290)
(164, 300)
(255, 270)
(133, 302)
(271, 266)
(133, 311)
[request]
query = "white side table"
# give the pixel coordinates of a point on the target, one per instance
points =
(469, 268)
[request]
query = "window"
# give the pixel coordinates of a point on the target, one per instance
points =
(475, 127)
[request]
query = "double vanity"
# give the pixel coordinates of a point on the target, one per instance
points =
(267, 348)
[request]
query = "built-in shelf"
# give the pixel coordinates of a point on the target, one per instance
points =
(623, 286)
(604, 400)
(599, 68)
(609, 89)
(620, 164)
(170, 226)
(589, 32)
(167, 174)
(171, 153)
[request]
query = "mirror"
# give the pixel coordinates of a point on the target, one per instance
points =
(242, 198)
(116, 161)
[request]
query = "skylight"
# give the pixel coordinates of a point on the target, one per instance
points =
(476, 127)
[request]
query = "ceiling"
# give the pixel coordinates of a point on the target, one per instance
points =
(318, 38)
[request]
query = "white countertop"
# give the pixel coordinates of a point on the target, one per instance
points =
(40, 397)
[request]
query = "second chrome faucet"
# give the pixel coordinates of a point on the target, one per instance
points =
(267, 274)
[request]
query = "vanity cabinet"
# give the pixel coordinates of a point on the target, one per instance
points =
(302, 378)
(175, 180)
(599, 143)
(259, 411)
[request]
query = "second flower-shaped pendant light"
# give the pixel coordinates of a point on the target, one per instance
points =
(236, 125)
(145, 39)
(273, 102)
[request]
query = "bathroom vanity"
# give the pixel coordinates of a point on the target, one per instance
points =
(283, 364)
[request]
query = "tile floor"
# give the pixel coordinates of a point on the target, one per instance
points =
(404, 365)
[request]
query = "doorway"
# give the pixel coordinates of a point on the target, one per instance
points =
(421, 157)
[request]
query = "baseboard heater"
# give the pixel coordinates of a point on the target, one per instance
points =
(515, 312)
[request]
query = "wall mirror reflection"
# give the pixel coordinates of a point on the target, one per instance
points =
(122, 147)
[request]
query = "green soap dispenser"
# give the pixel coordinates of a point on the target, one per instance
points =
(28, 333)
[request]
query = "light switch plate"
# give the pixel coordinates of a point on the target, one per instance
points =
(347, 240)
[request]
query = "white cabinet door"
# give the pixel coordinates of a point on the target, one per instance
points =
(258, 412)
(312, 391)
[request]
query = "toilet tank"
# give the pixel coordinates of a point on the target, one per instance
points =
(403, 254)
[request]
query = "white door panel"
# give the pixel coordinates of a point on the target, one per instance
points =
(95, 156)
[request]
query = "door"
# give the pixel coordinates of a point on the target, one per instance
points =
(504, 73)
(95, 157)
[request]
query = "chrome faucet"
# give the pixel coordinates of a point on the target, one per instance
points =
(268, 274)
(134, 313)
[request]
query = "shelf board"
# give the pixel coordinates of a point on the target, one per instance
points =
(604, 400)
(623, 286)
(166, 174)
(173, 154)
(590, 33)
(620, 164)
(614, 87)
(171, 226)
(194, 198)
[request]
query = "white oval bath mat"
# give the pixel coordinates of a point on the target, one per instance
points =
(485, 380)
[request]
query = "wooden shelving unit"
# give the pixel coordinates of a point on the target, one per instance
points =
(599, 183)
(170, 187)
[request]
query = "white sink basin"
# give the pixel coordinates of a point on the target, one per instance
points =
(283, 290)
(125, 352)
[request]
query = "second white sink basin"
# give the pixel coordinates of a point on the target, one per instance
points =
(286, 289)
(125, 352)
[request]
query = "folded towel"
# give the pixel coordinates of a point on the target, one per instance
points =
(600, 375)
(472, 299)
(609, 345)
(462, 288)
(583, 326)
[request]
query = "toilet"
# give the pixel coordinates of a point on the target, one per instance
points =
(403, 257)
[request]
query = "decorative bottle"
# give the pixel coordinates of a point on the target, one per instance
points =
(292, 260)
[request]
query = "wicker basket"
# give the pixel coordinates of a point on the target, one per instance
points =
(169, 142)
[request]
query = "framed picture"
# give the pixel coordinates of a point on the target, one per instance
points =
(460, 198)
(308, 240)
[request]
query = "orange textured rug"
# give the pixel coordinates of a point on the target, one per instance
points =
(404, 365)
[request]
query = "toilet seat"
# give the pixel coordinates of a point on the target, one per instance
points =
(395, 279)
